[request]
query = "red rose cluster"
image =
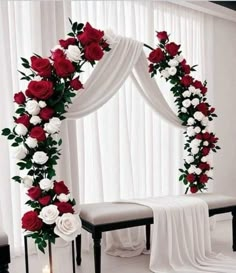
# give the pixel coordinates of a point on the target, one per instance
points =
(52, 83)
(193, 110)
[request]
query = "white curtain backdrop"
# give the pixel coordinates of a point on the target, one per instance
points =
(123, 150)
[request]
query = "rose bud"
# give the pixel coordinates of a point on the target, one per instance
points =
(46, 113)
(19, 98)
(162, 36)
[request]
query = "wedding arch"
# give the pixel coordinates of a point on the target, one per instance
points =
(54, 83)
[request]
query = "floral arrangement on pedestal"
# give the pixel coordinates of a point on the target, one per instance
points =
(53, 82)
(193, 110)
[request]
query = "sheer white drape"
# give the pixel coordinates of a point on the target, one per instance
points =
(123, 150)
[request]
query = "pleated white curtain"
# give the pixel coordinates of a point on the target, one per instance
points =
(124, 149)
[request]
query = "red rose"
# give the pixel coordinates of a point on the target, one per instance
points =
(60, 187)
(193, 189)
(34, 193)
(204, 166)
(206, 136)
(46, 113)
(93, 52)
(190, 177)
(205, 151)
(203, 90)
(156, 56)
(64, 68)
(203, 107)
(64, 207)
(38, 133)
(186, 80)
(24, 119)
(42, 66)
(41, 89)
(203, 178)
(44, 201)
(90, 35)
(31, 221)
(104, 44)
(162, 36)
(29, 94)
(57, 54)
(76, 84)
(212, 110)
(197, 84)
(199, 136)
(185, 67)
(213, 138)
(65, 43)
(151, 68)
(172, 49)
(19, 98)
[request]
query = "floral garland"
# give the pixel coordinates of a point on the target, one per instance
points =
(53, 82)
(193, 110)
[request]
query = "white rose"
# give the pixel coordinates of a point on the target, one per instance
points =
(190, 131)
(63, 197)
(198, 92)
(195, 102)
(35, 120)
(183, 110)
(204, 159)
(189, 159)
(53, 126)
(165, 74)
(20, 152)
(20, 129)
(186, 103)
(172, 70)
(192, 89)
(197, 129)
(42, 104)
(191, 121)
(31, 142)
(27, 181)
(205, 143)
(186, 94)
(37, 78)
(49, 214)
(46, 184)
(173, 62)
(198, 115)
(191, 169)
(179, 58)
(73, 53)
(68, 226)
(40, 158)
(195, 143)
(32, 107)
(198, 171)
(194, 150)
(205, 121)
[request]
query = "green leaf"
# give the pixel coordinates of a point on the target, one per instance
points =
(15, 144)
(26, 65)
(6, 132)
(59, 142)
(18, 140)
(74, 27)
(51, 173)
(10, 137)
(16, 178)
(71, 34)
(70, 21)
(59, 107)
(20, 110)
(25, 60)
(28, 164)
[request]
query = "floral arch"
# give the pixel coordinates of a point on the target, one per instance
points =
(54, 83)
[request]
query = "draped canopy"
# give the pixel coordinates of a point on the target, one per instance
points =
(126, 58)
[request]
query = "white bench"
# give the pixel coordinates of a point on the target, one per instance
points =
(4, 252)
(101, 217)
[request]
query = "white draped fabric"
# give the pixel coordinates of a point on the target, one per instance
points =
(109, 75)
(181, 239)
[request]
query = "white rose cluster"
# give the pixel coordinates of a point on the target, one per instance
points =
(53, 126)
(32, 107)
(46, 184)
(21, 130)
(49, 214)
(31, 142)
(40, 158)
(20, 152)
